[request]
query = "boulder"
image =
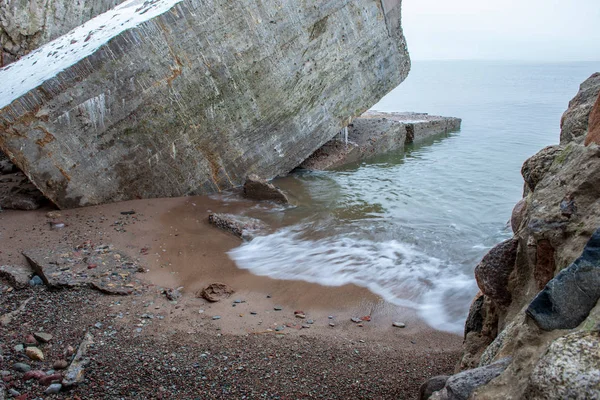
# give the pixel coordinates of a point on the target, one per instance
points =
(243, 227)
(494, 270)
(568, 298)
(256, 188)
(574, 122)
(432, 385)
(16, 275)
(461, 385)
(593, 135)
(570, 369)
(536, 167)
(166, 102)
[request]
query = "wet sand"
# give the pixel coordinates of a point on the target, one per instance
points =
(173, 240)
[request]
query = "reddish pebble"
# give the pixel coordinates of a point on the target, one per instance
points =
(298, 312)
(50, 378)
(30, 340)
(366, 318)
(92, 266)
(37, 374)
(21, 397)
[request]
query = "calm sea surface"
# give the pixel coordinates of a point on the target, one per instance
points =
(411, 226)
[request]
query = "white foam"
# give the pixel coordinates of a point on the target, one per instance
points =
(46, 62)
(398, 272)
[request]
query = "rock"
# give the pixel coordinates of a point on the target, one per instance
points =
(256, 188)
(36, 281)
(216, 317)
(432, 385)
(6, 167)
(331, 324)
(215, 292)
(53, 389)
(517, 215)
(268, 120)
(43, 337)
(14, 393)
(570, 369)
(19, 348)
(172, 294)
(399, 325)
(574, 122)
(37, 375)
(376, 132)
(277, 308)
(535, 168)
(461, 385)
(568, 298)
(60, 364)
(48, 379)
(356, 320)
(493, 271)
(30, 340)
(21, 367)
(17, 276)
(301, 316)
(243, 227)
(593, 135)
(34, 354)
(75, 372)
(545, 264)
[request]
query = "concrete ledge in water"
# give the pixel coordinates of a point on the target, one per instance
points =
(376, 133)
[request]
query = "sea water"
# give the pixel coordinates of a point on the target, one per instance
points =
(411, 226)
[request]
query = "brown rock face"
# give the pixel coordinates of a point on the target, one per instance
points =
(593, 135)
(574, 122)
(545, 265)
(536, 167)
(517, 215)
(493, 271)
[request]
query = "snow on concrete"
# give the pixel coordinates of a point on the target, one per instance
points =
(29, 72)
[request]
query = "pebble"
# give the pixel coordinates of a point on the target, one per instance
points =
(216, 317)
(19, 348)
(34, 353)
(330, 317)
(43, 337)
(21, 367)
(14, 393)
(50, 378)
(331, 324)
(53, 389)
(310, 321)
(60, 364)
(36, 281)
(355, 320)
(399, 324)
(306, 326)
(98, 325)
(253, 313)
(268, 296)
(37, 375)
(277, 308)
(237, 301)
(30, 340)
(302, 316)
(279, 328)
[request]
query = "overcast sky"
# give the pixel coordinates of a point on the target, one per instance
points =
(552, 30)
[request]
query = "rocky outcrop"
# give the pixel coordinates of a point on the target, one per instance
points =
(157, 99)
(543, 312)
(26, 25)
(574, 122)
(375, 133)
(593, 135)
(245, 228)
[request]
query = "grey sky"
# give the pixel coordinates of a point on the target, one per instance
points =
(508, 29)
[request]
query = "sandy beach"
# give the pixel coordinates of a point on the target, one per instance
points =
(172, 240)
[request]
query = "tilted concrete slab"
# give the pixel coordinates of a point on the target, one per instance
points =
(179, 97)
